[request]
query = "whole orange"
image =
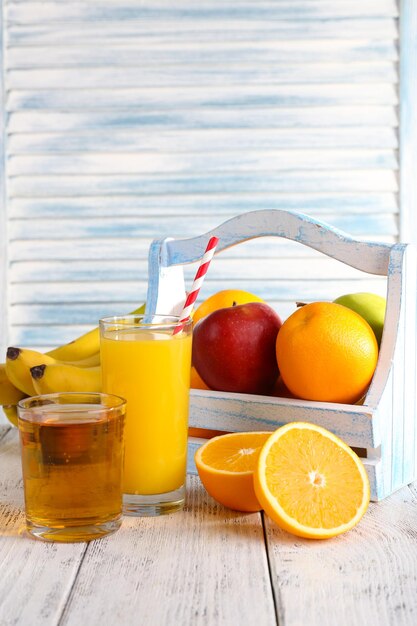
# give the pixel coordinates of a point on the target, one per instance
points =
(196, 382)
(222, 300)
(326, 352)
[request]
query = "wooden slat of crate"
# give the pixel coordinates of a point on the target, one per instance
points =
(242, 412)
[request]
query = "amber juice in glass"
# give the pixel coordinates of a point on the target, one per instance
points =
(72, 455)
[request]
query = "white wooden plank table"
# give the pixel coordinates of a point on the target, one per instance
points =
(207, 565)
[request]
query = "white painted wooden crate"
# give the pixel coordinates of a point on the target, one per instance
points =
(384, 426)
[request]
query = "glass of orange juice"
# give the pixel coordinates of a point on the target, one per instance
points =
(146, 363)
(72, 461)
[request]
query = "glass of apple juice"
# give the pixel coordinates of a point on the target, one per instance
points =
(72, 458)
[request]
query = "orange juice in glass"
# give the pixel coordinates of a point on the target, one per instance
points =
(150, 366)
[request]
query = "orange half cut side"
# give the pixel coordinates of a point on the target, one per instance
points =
(310, 482)
(226, 465)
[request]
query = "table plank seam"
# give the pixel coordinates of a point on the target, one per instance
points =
(277, 606)
(72, 588)
(4, 431)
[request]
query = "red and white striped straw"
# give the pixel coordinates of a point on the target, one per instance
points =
(198, 281)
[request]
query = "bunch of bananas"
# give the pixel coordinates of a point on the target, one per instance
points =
(74, 366)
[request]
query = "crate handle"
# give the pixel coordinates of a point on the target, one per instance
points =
(166, 254)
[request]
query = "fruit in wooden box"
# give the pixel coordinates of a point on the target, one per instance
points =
(196, 382)
(234, 348)
(223, 299)
(326, 352)
(370, 306)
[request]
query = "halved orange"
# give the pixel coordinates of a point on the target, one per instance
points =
(310, 482)
(226, 464)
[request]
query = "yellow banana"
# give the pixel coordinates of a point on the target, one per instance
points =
(18, 364)
(90, 361)
(9, 394)
(80, 348)
(15, 379)
(63, 377)
(20, 360)
(10, 412)
(85, 346)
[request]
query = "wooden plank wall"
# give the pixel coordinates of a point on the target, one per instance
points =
(3, 214)
(131, 120)
(408, 126)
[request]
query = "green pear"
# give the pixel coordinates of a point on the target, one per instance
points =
(370, 306)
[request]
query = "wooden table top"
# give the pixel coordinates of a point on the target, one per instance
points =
(207, 565)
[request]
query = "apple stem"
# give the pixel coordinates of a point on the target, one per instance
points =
(234, 303)
(300, 304)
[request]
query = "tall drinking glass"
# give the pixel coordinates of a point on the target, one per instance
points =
(72, 453)
(150, 366)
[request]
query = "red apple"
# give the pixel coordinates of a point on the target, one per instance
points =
(234, 348)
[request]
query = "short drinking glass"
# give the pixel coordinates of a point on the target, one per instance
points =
(72, 461)
(149, 365)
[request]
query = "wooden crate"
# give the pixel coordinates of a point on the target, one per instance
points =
(384, 426)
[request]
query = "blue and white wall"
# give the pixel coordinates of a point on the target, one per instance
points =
(129, 120)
